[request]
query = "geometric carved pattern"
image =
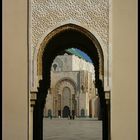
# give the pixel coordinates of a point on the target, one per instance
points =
(47, 15)
(66, 97)
(92, 14)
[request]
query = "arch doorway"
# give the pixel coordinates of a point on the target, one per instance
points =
(66, 112)
(82, 113)
(60, 39)
(49, 113)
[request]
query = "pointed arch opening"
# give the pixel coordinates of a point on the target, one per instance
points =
(58, 40)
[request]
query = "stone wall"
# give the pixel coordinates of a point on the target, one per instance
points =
(47, 15)
(15, 97)
(63, 74)
(80, 64)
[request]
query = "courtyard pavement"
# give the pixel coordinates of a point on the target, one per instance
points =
(78, 129)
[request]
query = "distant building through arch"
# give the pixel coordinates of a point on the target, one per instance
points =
(75, 77)
(63, 38)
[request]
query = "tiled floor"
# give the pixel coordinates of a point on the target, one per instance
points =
(78, 129)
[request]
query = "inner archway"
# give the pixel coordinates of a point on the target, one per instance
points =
(57, 41)
(66, 112)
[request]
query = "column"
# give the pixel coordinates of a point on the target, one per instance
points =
(32, 101)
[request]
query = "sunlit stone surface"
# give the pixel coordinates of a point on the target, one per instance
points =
(78, 129)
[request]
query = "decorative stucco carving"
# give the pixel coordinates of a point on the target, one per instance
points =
(47, 14)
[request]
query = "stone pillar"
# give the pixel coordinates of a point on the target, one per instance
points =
(31, 107)
(71, 104)
(30, 123)
(87, 104)
(61, 107)
(93, 107)
(107, 97)
(77, 104)
(97, 107)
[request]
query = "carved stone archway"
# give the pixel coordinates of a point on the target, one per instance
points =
(59, 89)
(58, 40)
(101, 52)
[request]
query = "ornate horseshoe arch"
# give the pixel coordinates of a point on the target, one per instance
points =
(101, 51)
(59, 39)
(65, 82)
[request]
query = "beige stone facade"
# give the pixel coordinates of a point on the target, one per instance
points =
(86, 18)
(16, 111)
(72, 86)
(46, 16)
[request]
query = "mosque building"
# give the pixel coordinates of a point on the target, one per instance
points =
(72, 90)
